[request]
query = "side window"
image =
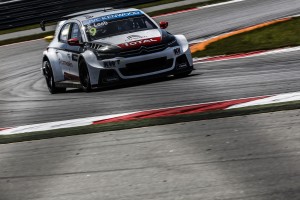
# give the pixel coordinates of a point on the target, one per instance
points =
(75, 33)
(64, 33)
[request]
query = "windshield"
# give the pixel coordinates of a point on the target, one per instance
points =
(117, 24)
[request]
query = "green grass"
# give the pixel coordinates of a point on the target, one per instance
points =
(148, 122)
(26, 38)
(23, 28)
(283, 34)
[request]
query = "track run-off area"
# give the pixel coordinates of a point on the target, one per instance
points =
(252, 157)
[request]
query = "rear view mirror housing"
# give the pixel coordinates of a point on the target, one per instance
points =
(74, 42)
(163, 24)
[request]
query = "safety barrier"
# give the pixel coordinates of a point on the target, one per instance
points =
(26, 12)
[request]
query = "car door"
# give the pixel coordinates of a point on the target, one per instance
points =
(73, 52)
(61, 52)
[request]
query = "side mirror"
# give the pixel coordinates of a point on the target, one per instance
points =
(42, 25)
(163, 24)
(74, 42)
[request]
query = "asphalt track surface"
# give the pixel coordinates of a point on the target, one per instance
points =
(253, 157)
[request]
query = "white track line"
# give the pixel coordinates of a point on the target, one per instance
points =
(271, 52)
(85, 121)
(280, 98)
(58, 124)
(220, 4)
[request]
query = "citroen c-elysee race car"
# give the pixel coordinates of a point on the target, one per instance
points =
(106, 46)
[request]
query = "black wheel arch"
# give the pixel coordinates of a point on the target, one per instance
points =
(83, 73)
(80, 59)
(45, 58)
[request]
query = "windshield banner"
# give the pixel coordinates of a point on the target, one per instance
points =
(112, 17)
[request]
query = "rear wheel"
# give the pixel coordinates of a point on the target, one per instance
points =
(84, 76)
(50, 80)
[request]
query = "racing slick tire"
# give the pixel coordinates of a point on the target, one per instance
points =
(84, 76)
(50, 80)
(183, 74)
(185, 71)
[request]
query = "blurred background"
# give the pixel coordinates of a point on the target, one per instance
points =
(15, 13)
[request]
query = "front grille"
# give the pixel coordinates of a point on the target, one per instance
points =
(181, 62)
(94, 46)
(108, 77)
(147, 66)
(143, 50)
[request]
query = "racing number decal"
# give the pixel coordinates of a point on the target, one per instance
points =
(92, 31)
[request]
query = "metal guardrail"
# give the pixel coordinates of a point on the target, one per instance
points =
(27, 12)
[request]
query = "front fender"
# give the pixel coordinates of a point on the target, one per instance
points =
(182, 41)
(93, 65)
(56, 69)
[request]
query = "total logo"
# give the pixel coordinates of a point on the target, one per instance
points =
(138, 43)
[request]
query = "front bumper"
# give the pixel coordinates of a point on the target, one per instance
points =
(111, 76)
(169, 61)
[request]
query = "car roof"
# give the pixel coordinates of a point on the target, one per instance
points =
(88, 14)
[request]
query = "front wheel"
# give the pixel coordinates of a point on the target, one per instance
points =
(84, 76)
(50, 80)
(183, 74)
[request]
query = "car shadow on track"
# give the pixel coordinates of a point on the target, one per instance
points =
(134, 83)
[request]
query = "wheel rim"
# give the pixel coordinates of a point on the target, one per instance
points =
(48, 75)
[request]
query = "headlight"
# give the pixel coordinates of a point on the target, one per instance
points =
(105, 55)
(105, 51)
(169, 39)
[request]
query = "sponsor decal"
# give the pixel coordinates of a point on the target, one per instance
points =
(75, 57)
(88, 16)
(111, 63)
(112, 17)
(177, 51)
(99, 24)
(92, 28)
(67, 63)
(134, 37)
(71, 77)
(138, 43)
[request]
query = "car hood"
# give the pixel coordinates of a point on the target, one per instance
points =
(135, 39)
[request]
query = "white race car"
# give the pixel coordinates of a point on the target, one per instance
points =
(106, 46)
